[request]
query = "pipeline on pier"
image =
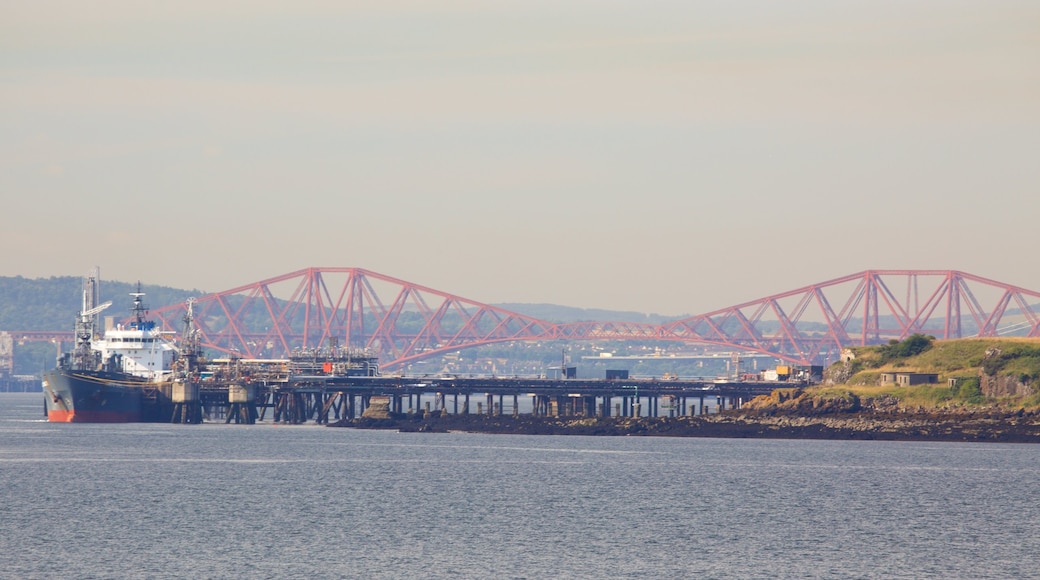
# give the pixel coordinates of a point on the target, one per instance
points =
(249, 391)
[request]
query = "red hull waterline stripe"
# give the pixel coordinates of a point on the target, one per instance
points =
(58, 416)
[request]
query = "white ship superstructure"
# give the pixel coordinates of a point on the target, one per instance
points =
(137, 349)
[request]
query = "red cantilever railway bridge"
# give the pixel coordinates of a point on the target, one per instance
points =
(402, 322)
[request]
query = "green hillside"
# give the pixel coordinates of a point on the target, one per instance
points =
(52, 303)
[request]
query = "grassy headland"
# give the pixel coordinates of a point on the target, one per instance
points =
(984, 371)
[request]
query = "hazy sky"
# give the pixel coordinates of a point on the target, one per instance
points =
(659, 156)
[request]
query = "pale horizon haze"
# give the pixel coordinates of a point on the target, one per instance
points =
(670, 157)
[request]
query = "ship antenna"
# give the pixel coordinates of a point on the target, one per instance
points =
(139, 310)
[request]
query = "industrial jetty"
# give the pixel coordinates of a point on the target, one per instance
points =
(136, 372)
(326, 385)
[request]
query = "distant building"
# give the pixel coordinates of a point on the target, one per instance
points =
(909, 379)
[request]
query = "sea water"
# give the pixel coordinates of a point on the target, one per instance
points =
(279, 501)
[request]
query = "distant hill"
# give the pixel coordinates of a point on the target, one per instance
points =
(563, 314)
(52, 303)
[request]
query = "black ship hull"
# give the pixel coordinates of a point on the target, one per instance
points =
(98, 397)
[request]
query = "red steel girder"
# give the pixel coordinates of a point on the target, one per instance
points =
(402, 322)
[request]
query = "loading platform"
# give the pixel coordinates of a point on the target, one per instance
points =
(323, 398)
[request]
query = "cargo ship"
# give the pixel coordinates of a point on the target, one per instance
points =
(127, 375)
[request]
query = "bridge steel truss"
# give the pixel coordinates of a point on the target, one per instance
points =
(403, 322)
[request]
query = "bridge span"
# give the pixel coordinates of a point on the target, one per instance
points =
(403, 322)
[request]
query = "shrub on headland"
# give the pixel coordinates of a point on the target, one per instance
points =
(968, 390)
(913, 345)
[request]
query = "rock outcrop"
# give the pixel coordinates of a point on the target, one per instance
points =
(1004, 386)
(788, 414)
(798, 402)
(378, 408)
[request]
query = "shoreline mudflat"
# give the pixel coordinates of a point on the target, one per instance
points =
(982, 426)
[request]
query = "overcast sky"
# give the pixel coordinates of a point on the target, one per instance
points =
(659, 156)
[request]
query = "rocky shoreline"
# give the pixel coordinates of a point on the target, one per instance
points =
(790, 414)
(991, 426)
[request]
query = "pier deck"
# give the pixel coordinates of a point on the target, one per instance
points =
(321, 398)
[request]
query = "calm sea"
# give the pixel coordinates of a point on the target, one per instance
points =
(274, 501)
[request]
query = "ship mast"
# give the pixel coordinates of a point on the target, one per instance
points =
(84, 358)
(92, 295)
(189, 348)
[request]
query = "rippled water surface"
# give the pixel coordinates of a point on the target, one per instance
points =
(274, 501)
